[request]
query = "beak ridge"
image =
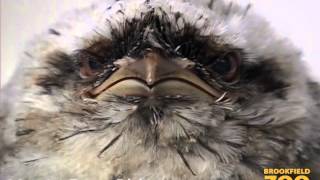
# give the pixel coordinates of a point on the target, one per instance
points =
(152, 70)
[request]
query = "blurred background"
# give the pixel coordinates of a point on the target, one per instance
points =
(22, 19)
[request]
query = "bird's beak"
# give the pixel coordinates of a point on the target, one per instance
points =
(154, 75)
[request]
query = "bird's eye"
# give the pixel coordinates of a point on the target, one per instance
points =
(226, 66)
(89, 65)
(93, 65)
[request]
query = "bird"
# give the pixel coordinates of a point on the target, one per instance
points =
(160, 89)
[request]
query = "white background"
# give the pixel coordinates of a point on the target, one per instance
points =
(21, 19)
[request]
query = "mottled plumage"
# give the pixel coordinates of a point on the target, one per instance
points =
(60, 126)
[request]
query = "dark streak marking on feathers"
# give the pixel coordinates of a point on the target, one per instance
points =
(210, 4)
(109, 145)
(54, 32)
(189, 121)
(24, 132)
(209, 149)
(34, 160)
(248, 7)
(82, 132)
(186, 162)
(184, 130)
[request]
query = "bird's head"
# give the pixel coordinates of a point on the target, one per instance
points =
(177, 84)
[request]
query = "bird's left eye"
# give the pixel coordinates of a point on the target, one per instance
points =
(226, 66)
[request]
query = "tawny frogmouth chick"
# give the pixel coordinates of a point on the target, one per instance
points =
(159, 89)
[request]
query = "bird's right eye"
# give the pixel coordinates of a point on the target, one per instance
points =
(89, 65)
